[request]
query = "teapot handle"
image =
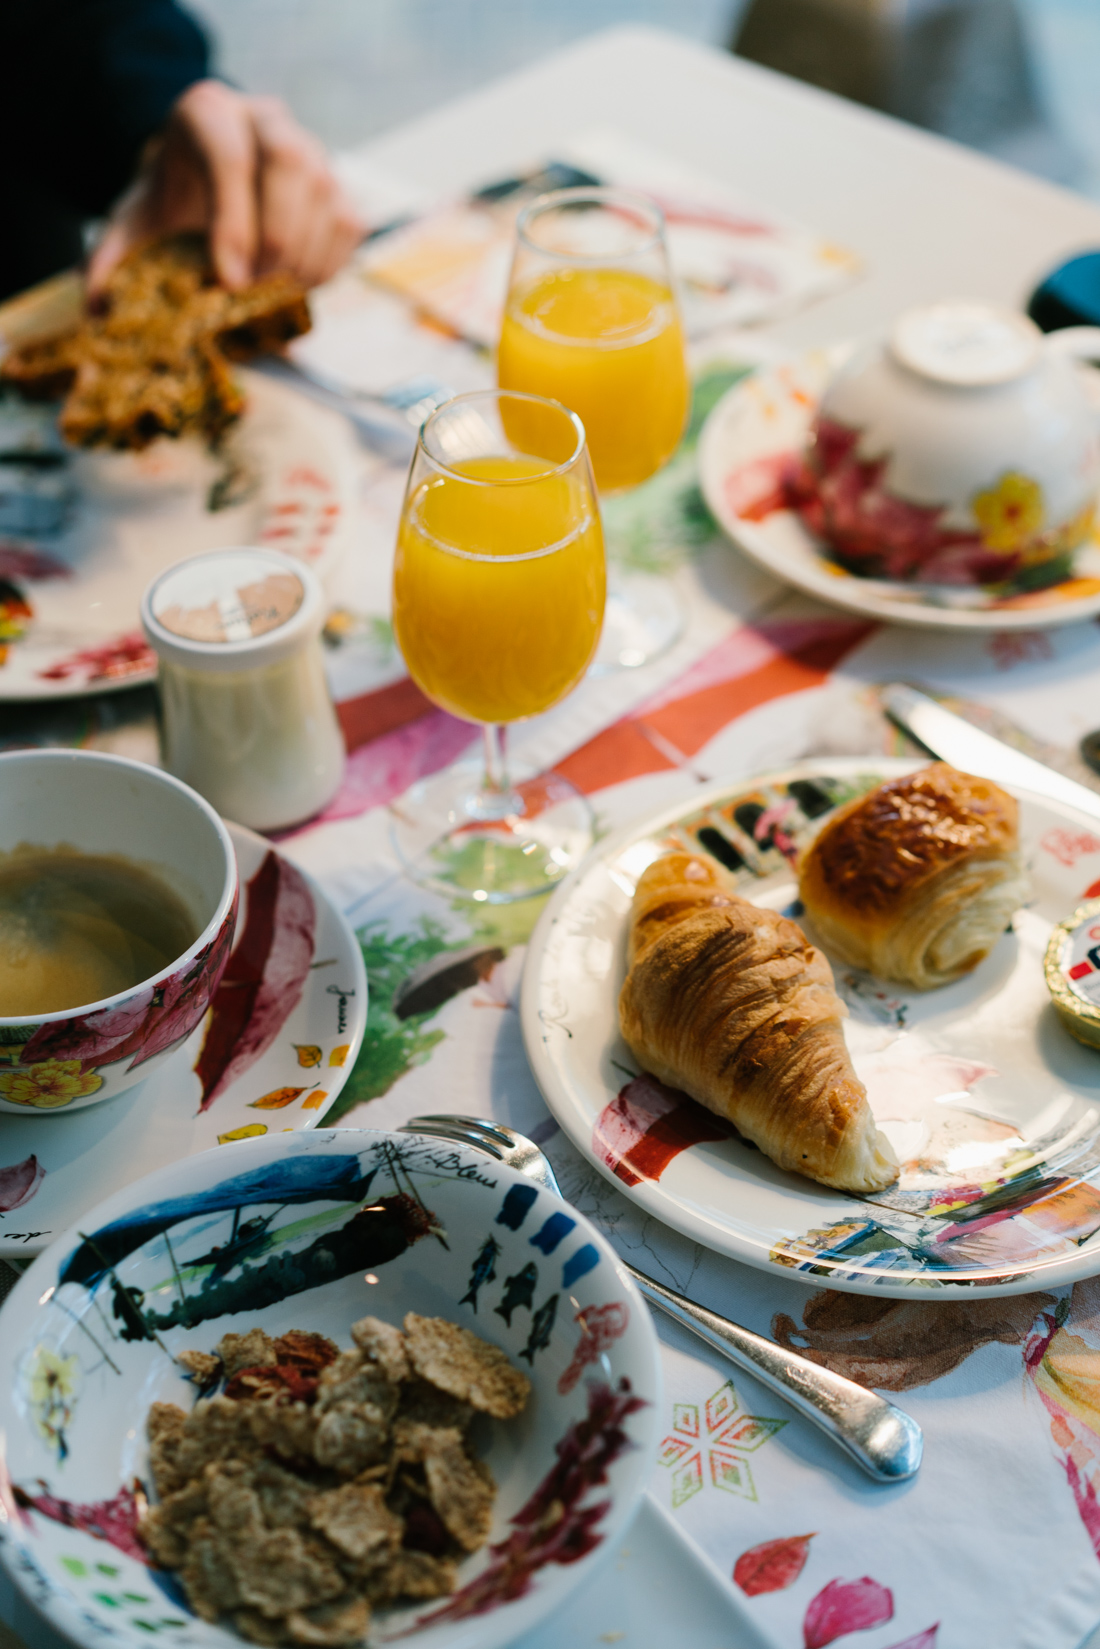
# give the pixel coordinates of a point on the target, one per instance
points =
(1081, 343)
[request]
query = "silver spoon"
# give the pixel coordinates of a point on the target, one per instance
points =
(884, 1440)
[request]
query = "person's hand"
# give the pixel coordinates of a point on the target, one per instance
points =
(243, 169)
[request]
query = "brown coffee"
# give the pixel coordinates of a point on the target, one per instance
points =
(76, 927)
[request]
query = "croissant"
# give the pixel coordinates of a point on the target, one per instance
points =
(917, 880)
(732, 1004)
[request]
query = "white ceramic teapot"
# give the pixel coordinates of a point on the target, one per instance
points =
(964, 450)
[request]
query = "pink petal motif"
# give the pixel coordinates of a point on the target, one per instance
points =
(773, 1566)
(923, 1640)
(599, 1325)
(846, 1606)
(19, 1183)
(264, 977)
(153, 1020)
(646, 1125)
(113, 1520)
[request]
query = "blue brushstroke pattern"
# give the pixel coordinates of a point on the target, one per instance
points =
(297, 1179)
(554, 1231)
(517, 1205)
(579, 1264)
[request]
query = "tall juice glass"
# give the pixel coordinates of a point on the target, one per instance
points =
(498, 600)
(591, 319)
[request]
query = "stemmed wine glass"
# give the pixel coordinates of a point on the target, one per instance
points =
(498, 599)
(591, 319)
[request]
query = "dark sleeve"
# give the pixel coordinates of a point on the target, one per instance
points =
(86, 83)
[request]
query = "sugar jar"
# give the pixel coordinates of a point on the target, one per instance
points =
(247, 716)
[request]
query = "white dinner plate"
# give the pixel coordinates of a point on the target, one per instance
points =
(282, 1068)
(287, 477)
(992, 1107)
(764, 419)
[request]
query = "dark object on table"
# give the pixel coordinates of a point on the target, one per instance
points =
(1090, 750)
(960, 69)
(86, 84)
(1069, 296)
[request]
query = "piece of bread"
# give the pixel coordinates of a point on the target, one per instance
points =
(152, 359)
(732, 1004)
(917, 880)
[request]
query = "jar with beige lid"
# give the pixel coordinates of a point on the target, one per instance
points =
(248, 721)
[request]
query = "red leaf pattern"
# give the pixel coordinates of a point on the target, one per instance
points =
(923, 1640)
(263, 979)
(846, 1606)
(19, 1182)
(155, 1019)
(773, 1566)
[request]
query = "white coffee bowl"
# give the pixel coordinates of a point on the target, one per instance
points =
(74, 1393)
(63, 1061)
(966, 411)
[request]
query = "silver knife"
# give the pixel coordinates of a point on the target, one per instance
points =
(956, 741)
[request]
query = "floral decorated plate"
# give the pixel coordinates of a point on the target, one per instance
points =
(278, 1044)
(83, 534)
(749, 452)
(339, 1223)
(992, 1107)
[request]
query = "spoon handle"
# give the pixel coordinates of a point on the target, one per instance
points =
(882, 1439)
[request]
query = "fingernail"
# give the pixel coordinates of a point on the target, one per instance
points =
(234, 271)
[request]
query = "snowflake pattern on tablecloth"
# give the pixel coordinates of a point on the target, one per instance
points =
(723, 1436)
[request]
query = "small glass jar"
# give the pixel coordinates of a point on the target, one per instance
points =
(248, 721)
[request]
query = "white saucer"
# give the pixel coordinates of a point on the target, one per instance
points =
(309, 1047)
(768, 415)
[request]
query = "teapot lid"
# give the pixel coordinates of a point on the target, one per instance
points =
(967, 343)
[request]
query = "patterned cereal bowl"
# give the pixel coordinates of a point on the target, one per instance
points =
(314, 1232)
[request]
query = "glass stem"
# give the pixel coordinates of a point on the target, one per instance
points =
(495, 782)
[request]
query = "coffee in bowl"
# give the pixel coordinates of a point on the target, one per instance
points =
(77, 927)
(118, 903)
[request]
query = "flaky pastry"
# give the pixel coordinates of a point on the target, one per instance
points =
(916, 881)
(732, 1004)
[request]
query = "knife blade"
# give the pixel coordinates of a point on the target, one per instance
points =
(954, 740)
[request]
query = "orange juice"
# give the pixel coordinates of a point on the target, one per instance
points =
(498, 591)
(608, 344)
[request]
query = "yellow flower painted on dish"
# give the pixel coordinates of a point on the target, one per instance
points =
(52, 1381)
(53, 1378)
(338, 1055)
(1009, 514)
(49, 1084)
(315, 1100)
(308, 1054)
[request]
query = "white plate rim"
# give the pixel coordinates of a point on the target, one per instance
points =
(342, 455)
(845, 590)
(663, 1205)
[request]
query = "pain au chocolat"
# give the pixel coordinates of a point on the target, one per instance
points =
(916, 881)
(732, 1004)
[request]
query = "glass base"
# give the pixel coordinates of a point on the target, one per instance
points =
(448, 842)
(642, 619)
